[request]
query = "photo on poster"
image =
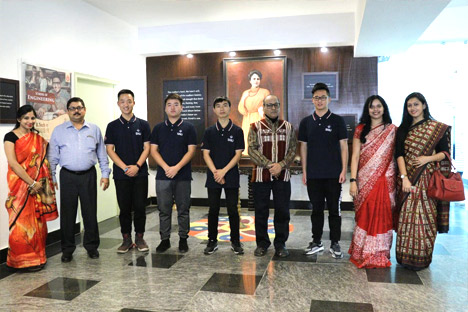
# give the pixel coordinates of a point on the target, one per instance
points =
(248, 81)
(47, 90)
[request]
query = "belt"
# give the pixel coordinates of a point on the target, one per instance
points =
(78, 172)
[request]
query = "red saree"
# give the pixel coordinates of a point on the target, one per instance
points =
(27, 214)
(418, 215)
(376, 181)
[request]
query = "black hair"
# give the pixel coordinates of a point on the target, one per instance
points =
(407, 119)
(56, 75)
(365, 117)
(220, 99)
(253, 72)
(23, 110)
(320, 86)
(75, 99)
(126, 91)
(173, 96)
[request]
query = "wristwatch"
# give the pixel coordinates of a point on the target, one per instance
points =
(352, 180)
(403, 176)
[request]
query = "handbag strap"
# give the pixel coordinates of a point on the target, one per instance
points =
(447, 155)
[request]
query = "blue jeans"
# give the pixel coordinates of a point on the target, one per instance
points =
(168, 192)
(281, 197)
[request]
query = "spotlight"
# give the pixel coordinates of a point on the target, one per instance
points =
(324, 49)
(232, 54)
(190, 55)
(277, 52)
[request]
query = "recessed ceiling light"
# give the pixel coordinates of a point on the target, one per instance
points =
(277, 52)
(232, 53)
(190, 55)
(324, 49)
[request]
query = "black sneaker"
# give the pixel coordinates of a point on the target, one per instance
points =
(237, 248)
(335, 250)
(313, 248)
(183, 246)
(211, 247)
(260, 251)
(163, 246)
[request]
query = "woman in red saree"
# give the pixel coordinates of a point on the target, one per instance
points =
(31, 199)
(373, 185)
(421, 143)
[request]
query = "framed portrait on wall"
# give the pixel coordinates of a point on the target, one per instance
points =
(248, 81)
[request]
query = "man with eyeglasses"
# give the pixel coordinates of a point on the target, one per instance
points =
(324, 158)
(272, 147)
(77, 146)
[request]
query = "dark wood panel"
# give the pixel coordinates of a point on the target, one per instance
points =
(357, 80)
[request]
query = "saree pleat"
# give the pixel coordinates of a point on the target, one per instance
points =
(373, 233)
(27, 214)
(418, 214)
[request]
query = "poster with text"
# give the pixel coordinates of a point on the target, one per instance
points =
(47, 90)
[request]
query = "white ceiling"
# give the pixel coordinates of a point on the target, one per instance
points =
(373, 27)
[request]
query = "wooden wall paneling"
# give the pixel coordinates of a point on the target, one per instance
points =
(357, 80)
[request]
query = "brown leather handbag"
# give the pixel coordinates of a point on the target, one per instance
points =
(448, 188)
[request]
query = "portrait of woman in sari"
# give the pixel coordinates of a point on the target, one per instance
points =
(31, 198)
(373, 185)
(421, 143)
(251, 103)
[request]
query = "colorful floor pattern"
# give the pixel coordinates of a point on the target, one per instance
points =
(199, 229)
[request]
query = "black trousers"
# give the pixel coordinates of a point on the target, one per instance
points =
(214, 200)
(72, 187)
(320, 190)
(281, 197)
(131, 196)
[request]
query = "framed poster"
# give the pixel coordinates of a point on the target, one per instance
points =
(247, 81)
(48, 91)
(328, 78)
(351, 123)
(193, 92)
(9, 100)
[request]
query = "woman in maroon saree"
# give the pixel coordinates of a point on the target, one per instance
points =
(373, 185)
(31, 197)
(421, 143)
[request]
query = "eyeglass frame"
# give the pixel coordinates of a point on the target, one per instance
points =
(76, 108)
(320, 98)
(271, 105)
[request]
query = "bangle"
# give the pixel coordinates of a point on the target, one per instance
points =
(352, 180)
(139, 167)
(32, 185)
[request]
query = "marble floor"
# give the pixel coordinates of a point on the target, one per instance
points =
(171, 281)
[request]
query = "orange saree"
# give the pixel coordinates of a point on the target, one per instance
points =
(27, 212)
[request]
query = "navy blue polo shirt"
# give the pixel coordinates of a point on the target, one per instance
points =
(128, 138)
(223, 144)
(173, 141)
(323, 136)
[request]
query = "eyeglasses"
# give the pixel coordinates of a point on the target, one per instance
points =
(272, 105)
(320, 98)
(78, 108)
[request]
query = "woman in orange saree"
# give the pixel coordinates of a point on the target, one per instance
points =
(373, 185)
(31, 198)
(421, 143)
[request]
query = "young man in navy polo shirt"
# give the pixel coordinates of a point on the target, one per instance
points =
(128, 145)
(324, 157)
(222, 148)
(173, 144)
